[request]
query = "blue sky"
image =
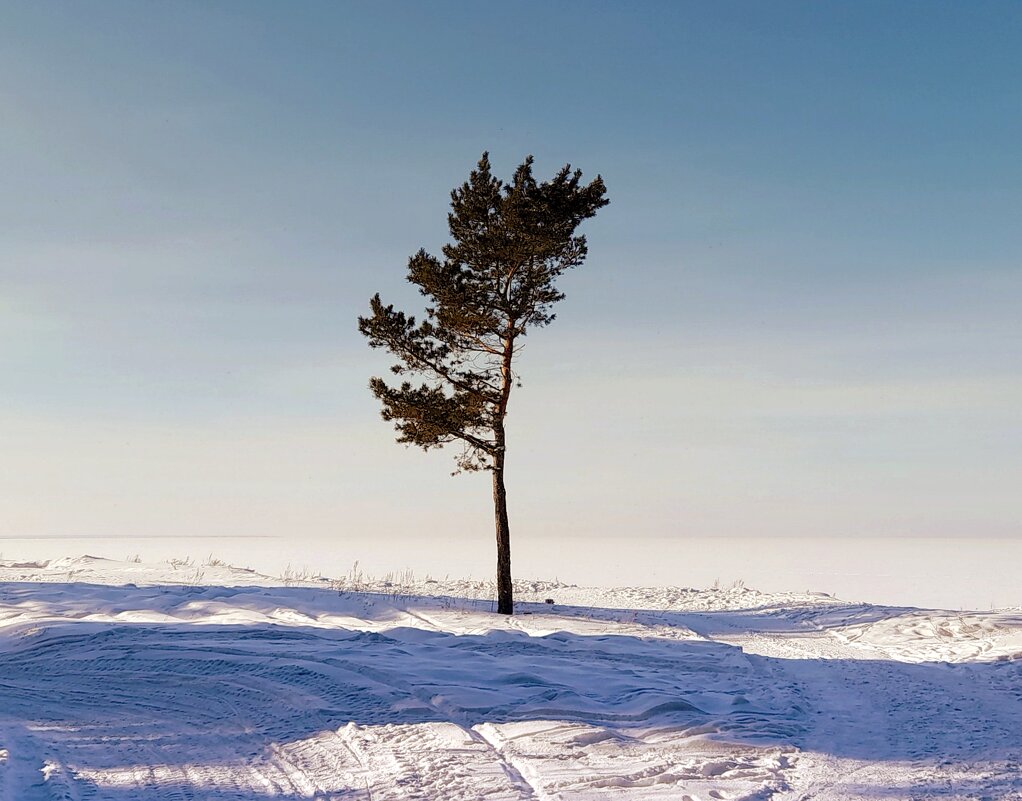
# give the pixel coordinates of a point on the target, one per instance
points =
(799, 315)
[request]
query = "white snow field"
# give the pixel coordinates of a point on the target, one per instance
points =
(124, 681)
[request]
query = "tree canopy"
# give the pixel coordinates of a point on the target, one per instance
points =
(496, 279)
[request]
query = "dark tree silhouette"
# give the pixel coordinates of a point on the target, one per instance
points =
(497, 277)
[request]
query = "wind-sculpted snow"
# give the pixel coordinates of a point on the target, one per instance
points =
(170, 692)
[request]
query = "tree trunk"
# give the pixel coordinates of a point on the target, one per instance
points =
(505, 593)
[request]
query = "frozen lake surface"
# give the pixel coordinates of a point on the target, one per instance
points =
(948, 573)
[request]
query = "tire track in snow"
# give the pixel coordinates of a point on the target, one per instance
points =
(520, 774)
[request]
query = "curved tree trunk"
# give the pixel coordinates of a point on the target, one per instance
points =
(505, 594)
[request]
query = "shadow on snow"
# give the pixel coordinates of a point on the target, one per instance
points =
(112, 695)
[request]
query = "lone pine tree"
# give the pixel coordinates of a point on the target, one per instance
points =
(497, 277)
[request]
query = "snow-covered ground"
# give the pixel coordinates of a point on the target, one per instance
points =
(129, 681)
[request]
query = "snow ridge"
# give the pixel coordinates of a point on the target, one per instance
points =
(123, 681)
